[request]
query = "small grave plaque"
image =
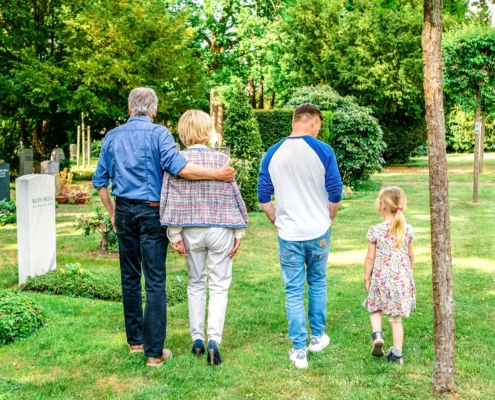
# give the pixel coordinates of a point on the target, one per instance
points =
(25, 161)
(35, 225)
(4, 182)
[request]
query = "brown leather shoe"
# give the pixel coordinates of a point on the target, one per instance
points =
(157, 362)
(136, 348)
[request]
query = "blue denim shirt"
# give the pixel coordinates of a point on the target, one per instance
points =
(133, 156)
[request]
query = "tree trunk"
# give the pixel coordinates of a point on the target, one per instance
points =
(443, 287)
(252, 95)
(482, 139)
(261, 100)
(476, 148)
(272, 100)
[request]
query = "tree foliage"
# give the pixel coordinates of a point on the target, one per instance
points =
(241, 134)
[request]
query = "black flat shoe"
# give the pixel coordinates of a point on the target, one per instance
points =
(198, 348)
(214, 357)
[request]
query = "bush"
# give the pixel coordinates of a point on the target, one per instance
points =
(402, 138)
(242, 135)
(74, 281)
(96, 148)
(82, 175)
(274, 125)
(19, 316)
(7, 213)
(354, 135)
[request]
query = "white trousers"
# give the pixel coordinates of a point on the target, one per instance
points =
(209, 266)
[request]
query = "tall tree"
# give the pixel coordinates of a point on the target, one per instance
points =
(470, 79)
(442, 277)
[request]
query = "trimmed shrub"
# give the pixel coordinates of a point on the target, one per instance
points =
(19, 316)
(402, 138)
(355, 136)
(276, 124)
(74, 281)
(7, 213)
(242, 135)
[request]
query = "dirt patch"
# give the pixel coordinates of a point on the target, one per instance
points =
(119, 385)
(101, 253)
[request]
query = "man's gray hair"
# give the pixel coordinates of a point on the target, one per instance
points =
(143, 101)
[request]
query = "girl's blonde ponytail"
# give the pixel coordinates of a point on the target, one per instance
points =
(394, 199)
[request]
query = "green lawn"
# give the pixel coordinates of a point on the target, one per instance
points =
(460, 167)
(81, 354)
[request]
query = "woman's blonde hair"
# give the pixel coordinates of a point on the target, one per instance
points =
(394, 200)
(195, 127)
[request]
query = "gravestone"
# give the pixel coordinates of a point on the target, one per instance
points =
(177, 146)
(73, 151)
(25, 161)
(50, 167)
(36, 243)
(224, 150)
(57, 155)
(4, 182)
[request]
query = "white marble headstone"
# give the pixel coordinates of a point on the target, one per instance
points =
(35, 225)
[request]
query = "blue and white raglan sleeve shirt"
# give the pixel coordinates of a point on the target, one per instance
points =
(303, 174)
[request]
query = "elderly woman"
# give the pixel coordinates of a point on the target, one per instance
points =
(206, 221)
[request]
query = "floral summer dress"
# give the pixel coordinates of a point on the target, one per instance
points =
(392, 289)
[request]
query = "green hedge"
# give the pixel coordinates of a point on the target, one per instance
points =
(276, 124)
(74, 281)
(19, 316)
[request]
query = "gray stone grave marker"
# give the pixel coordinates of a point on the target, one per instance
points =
(224, 150)
(50, 167)
(57, 155)
(25, 161)
(35, 225)
(73, 151)
(4, 182)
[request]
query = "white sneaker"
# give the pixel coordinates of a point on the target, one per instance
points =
(318, 343)
(298, 357)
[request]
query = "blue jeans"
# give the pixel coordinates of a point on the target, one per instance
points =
(142, 249)
(301, 261)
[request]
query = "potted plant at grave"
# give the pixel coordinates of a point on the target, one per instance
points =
(99, 222)
(69, 195)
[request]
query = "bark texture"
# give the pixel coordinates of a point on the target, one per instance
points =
(482, 139)
(476, 149)
(443, 286)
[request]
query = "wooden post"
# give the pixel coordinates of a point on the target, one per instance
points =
(83, 141)
(442, 278)
(476, 147)
(89, 146)
(78, 144)
(104, 236)
(482, 139)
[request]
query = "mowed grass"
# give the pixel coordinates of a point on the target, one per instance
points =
(460, 170)
(81, 351)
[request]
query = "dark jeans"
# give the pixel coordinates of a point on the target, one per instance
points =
(143, 249)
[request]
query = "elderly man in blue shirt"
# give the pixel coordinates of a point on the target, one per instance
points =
(133, 157)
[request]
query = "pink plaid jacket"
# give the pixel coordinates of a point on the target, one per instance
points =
(202, 203)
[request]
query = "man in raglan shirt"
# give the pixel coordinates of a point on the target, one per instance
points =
(302, 173)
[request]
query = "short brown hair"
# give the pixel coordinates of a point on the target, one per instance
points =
(195, 127)
(307, 109)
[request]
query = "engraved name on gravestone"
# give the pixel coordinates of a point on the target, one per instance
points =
(35, 225)
(73, 151)
(4, 182)
(57, 155)
(25, 161)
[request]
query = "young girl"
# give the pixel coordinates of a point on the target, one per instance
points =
(388, 272)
